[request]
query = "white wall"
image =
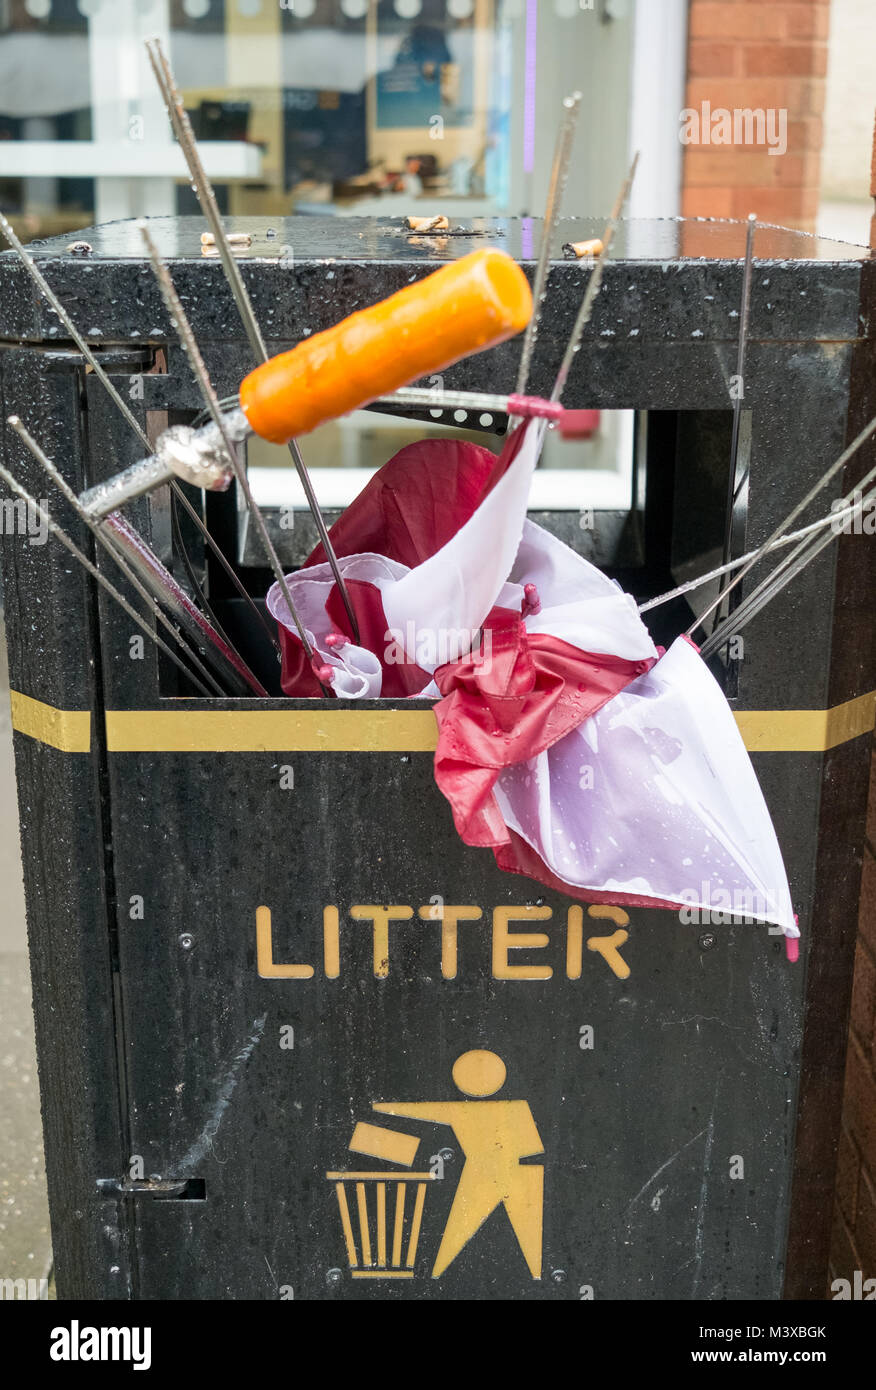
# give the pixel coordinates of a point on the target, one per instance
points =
(851, 101)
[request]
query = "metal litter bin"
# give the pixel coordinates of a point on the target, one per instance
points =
(233, 967)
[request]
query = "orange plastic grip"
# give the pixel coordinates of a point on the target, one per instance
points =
(469, 305)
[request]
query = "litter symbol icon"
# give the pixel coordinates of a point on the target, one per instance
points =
(494, 1136)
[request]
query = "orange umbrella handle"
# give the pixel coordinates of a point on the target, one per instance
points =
(467, 306)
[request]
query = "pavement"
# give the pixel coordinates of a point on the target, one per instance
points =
(25, 1242)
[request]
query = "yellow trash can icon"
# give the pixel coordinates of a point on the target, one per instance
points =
(380, 1200)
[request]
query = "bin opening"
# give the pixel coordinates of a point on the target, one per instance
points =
(664, 522)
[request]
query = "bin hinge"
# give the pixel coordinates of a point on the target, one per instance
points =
(165, 1189)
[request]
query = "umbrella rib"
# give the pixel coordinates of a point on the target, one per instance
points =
(556, 188)
(183, 328)
(95, 573)
(734, 488)
(118, 400)
(593, 284)
(832, 518)
(851, 449)
(804, 552)
(194, 582)
(48, 293)
(179, 496)
(207, 199)
(163, 586)
(103, 540)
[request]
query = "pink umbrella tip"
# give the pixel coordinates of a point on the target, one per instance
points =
(531, 600)
(579, 424)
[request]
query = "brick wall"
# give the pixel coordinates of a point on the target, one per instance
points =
(750, 54)
(854, 1231)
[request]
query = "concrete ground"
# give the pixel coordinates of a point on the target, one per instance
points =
(25, 1243)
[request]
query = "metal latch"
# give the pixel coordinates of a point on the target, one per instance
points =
(162, 1189)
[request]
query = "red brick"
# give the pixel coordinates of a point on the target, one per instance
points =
(808, 21)
(806, 135)
(865, 1225)
(812, 171)
(848, 1170)
(867, 913)
(799, 96)
(724, 132)
(860, 1101)
(707, 166)
(743, 21)
(871, 800)
(784, 60)
(789, 207)
(810, 202)
(707, 202)
(707, 59)
(864, 1000)
(743, 166)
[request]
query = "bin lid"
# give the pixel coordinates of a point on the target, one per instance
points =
(666, 279)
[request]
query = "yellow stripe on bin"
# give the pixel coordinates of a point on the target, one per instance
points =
(394, 730)
(415, 731)
(271, 731)
(66, 729)
(807, 730)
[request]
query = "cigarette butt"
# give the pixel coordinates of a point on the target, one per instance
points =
(212, 252)
(235, 238)
(579, 249)
(429, 224)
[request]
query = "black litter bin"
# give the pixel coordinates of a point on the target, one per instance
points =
(251, 922)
